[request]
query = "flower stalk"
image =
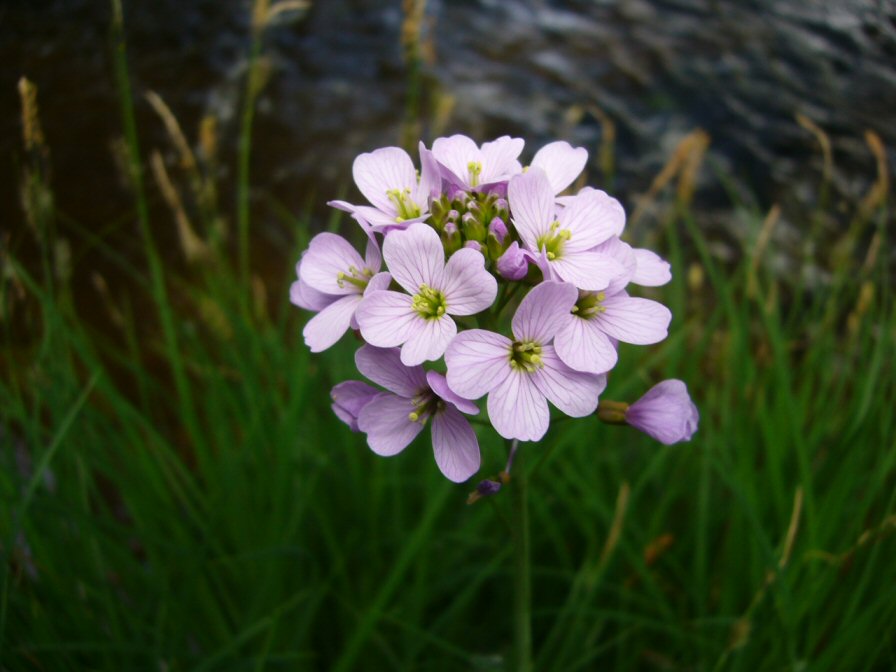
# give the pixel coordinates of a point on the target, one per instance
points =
(522, 579)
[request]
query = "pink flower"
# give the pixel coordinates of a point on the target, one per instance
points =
(420, 321)
(665, 413)
(567, 239)
(468, 167)
(584, 339)
(521, 375)
(333, 278)
(513, 264)
(388, 180)
(393, 419)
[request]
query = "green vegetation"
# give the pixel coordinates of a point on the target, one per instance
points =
(175, 493)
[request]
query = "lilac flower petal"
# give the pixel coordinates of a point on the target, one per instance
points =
(582, 346)
(430, 185)
(478, 361)
(454, 445)
(382, 170)
(517, 410)
(592, 217)
(377, 283)
(514, 263)
(308, 298)
(383, 366)
(623, 253)
(650, 269)
(665, 413)
(427, 340)
(387, 425)
(349, 398)
(574, 392)
(386, 318)
(328, 326)
(538, 316)
(634, 320)
(499, 159)
(373, 258)
(378, 220)
(455, 153)
(587, 270)
(415, 257)
(439, 384)
(468, 287)
(327, 256)
(562, 163)
(532, 205)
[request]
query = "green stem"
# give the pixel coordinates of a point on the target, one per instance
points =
(522, 588)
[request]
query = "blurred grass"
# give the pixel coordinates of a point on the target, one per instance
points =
(177, 495)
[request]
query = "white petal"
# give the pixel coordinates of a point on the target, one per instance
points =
(428, 340)
(531, 202)
(582, 346)
(587, 270)
(386, 318)
(381, 171)
(562, 163)
(592, 217)
(328, 326)
(517, 410)
(468, 287)
(539, 314)
(650, 269)
(633, 320)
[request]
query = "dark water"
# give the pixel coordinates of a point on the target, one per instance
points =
(338, 86)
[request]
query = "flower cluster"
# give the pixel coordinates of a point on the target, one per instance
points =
(452, 252)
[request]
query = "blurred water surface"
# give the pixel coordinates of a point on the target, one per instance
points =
(338, 86)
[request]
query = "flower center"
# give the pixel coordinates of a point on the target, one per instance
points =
(426, 404)
(589, 305)
(552, 241)
(429, 303)
(526, 356)
(404, 205)
(475, 168)
(356, 277)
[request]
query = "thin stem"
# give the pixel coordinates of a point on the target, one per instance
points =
(522, 589)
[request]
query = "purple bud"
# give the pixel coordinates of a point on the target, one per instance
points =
(501, 204)
(469, 218)
(488, 487)
(450, 229)
(473, 245)
(513, 264)
(498, 229)
(349, 398)
(453, 215)
(665, 412)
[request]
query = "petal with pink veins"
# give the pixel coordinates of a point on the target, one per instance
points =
(538, 316)
(587, 270)
(634, 320)
(591, 217)
(386, 318)
(387, 425)
(517, 410)
(650, 269)
(326, 257)
(308, 298)
(477, 361)
(454, 445)
(328, 326)
(468, 287)
(499, 158)
(455, 153)
(532, 203)
(427, 339)
(383, 366)
(574, 392)
(582, 346)
(415, 257)
(562, 163)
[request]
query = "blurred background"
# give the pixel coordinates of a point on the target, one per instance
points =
(175, 492)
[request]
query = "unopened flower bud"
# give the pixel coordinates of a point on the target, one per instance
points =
(513, 264)
(451, 238)
(485, 488)
(498, 229)
(665, 413)
(473, 245)
(453, 215)
(472, 227)
(348, 400)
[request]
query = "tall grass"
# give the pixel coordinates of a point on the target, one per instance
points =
(175, 493)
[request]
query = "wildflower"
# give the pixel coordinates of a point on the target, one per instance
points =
(420, 321)
(567, 239)
(521, 375)
(665, 412)
(333, 278)
(585, 335)
(393, 419)
(513, 264)
(388, 180)
(468, 167)
(349, 398)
